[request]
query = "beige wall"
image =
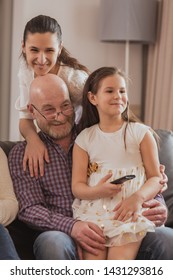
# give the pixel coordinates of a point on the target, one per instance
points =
(79, 20)
(5, 64)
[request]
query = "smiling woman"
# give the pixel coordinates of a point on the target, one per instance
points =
(5, 67)
(42, 53)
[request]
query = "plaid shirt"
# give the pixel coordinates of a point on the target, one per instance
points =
(45, 203)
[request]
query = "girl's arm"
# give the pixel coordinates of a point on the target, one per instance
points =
(35, 152)
(150, 158)
(80, 188)
(150, 188)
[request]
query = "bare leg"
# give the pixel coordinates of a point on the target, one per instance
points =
(102, 255)
(125, 252)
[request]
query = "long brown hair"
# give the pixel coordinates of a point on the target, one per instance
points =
(90, 114)
(43, 24)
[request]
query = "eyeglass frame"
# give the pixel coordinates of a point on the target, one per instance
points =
(56, 113)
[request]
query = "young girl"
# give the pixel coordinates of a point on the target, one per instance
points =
(42, 53)
(112, 145)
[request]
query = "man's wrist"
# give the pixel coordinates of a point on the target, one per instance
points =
(160, 198)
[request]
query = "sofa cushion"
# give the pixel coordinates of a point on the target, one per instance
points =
(166, 158)
(6, 146)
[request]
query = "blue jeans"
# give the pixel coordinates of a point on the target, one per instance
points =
(157, 245)
(7, 249)
(56, 245)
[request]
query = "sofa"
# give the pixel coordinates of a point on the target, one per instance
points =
(23, 236)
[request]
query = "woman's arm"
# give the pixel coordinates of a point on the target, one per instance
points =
(35, 152)
(27, 128)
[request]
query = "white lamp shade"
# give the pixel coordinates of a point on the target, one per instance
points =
(128, 20)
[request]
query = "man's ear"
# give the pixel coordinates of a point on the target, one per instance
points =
(92, 98)
(30, 110)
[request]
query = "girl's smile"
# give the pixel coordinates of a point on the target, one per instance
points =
(111, 98)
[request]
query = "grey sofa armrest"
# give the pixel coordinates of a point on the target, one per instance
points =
(166, 158)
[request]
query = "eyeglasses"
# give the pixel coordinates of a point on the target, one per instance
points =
(51, 113)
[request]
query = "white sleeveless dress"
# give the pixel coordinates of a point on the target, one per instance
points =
(107, 153)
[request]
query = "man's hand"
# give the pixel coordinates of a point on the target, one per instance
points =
(88, 236)
(157, 212)
(164, 179)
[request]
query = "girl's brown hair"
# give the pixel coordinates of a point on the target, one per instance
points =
(90, 114)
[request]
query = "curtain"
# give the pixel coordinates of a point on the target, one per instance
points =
(5, 63)
(158, 112)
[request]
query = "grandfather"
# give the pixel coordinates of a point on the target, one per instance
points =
(45, 202)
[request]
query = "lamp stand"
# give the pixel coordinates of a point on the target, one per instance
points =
(127, 50)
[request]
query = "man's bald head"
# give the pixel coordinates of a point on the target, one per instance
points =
(47, 86)
(49, 95)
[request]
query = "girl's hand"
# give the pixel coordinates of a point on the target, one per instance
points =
(106, 189)
(35, 154)
(127, 208)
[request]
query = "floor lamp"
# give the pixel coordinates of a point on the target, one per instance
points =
(128, 21)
